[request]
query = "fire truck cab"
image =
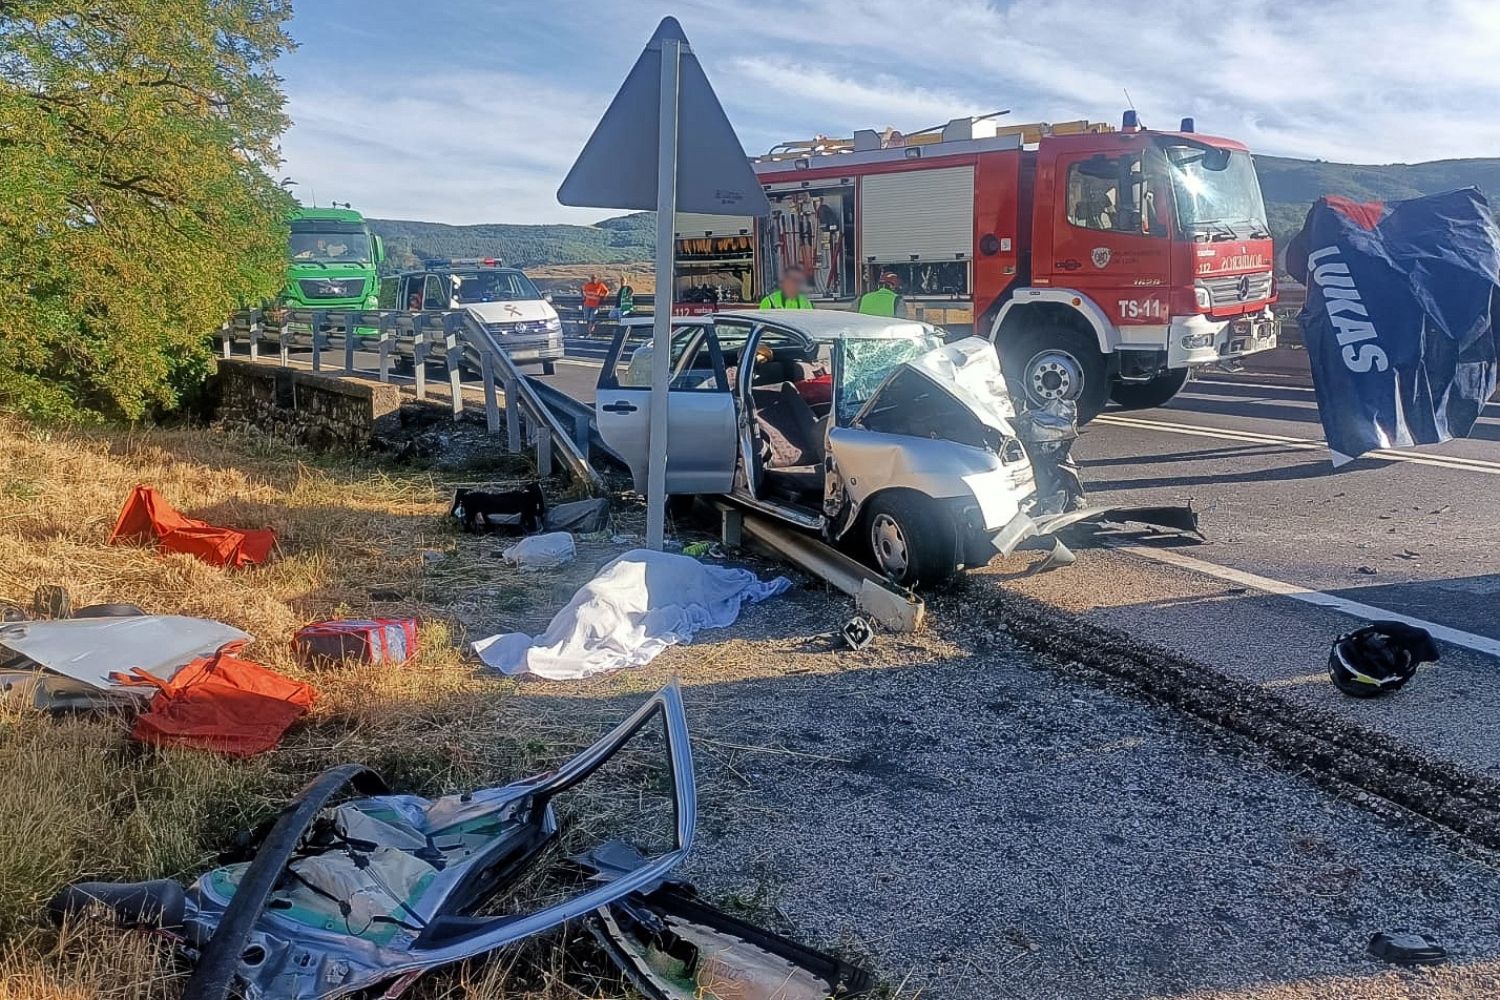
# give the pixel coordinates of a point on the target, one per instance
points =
(1103, 263)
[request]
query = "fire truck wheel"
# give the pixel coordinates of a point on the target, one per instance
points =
(1145, 395)
(909, 539)
(1057, 363)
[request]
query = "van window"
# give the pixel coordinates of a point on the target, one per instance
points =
(435, 293)
(494, 286)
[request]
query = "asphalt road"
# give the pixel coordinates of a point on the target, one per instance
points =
(1412, 533)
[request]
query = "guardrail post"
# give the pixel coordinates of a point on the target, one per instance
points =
(419, 354)
(226, 337)
(349, 341)
(387, 325)
(491, 403)
(255, 318)
(543, 447)
(581, 426)
(282, 335)
(512, 416)
(452, 356)
(319, 320)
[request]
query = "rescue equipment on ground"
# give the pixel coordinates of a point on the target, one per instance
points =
(367, 640)
(147, 516)
(222, 702)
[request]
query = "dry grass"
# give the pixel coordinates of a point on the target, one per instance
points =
(79, 800)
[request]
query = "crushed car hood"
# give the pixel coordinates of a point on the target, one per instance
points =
(968, 370)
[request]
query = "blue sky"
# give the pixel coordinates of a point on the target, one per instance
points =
(470, 111)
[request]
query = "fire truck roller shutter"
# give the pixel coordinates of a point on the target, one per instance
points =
(925, 215)
(695, 225)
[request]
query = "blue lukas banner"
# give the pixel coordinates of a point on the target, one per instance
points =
(1399, 318)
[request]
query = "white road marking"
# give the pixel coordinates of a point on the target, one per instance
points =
(1250, 385)
(1302, 444)
(1171, 557)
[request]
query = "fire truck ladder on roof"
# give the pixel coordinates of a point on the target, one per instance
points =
(957, 130)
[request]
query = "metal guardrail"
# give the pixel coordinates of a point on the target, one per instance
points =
(452, 338)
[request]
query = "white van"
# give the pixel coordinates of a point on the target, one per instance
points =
(502, 298)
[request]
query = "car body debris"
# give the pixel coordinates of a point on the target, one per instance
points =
(343, 896)
(72, 663)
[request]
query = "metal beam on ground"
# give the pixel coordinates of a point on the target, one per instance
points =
(894, 609)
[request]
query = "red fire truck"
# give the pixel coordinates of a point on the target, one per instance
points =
(1103, 263)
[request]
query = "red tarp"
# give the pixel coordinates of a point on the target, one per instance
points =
(222, 703)
(147, 515)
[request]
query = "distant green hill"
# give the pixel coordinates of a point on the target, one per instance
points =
(624, 238)
(1289, 186)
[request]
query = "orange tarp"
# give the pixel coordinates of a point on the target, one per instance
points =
(147, 515)
(221, 702)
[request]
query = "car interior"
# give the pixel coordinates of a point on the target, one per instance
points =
(790, 406)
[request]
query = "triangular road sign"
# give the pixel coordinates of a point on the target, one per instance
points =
(618, 168)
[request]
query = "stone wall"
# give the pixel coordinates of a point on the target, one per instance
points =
(305, 408)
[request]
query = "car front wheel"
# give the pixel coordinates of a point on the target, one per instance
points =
(910, 540)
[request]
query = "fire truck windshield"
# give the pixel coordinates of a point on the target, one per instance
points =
(1216, 193)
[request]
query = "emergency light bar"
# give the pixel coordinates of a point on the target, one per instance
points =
(457, 261)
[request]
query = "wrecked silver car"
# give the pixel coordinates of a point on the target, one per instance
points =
(868, 430)
(342, 896)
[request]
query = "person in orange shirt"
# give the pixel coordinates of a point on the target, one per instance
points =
(594, 294)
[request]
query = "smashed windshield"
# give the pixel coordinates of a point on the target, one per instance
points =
(1216, 192)
(329, 244)
(864, 365)
(493, 286)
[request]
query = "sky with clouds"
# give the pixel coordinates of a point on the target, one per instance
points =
(469, 111)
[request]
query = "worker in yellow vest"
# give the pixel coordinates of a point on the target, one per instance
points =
(790, 293)
(884, 299)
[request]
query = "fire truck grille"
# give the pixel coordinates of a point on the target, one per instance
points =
(1237, 289)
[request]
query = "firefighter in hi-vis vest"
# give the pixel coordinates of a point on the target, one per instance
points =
(884, 299)
(789, 294)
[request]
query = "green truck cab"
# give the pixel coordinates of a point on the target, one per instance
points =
(333, 261)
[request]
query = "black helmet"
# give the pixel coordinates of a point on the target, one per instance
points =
(1378, 658)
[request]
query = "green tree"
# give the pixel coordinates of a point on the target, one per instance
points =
(136, 207)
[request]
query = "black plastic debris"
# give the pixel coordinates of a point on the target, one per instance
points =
(1405, 947)
(51, 601)
(857, 632)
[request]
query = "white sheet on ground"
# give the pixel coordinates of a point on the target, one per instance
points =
(546, 551)
(635, 607)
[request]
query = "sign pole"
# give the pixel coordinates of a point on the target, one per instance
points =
(661, 339)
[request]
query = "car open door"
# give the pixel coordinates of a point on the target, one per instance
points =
(700, 414)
